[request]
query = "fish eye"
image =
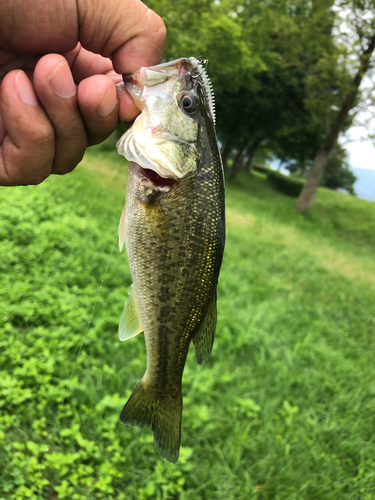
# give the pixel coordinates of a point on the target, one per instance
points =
(188, 103)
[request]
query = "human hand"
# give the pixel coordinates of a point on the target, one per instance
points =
(58, 91)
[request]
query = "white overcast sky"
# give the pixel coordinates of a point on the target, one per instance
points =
(361, 152)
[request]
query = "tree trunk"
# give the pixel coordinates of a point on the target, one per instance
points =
(236, 164)
(251, 153)
(309, 190)
(308, 193)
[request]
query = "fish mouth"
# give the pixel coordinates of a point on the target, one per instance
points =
(155, 75)
(188, 67)
(151, 142)
(157, 179)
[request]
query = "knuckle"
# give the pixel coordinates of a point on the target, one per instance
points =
(156, 27)
(64, 163)
(161, 29)
(42, 136)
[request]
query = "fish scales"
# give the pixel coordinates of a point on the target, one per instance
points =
(174, 233)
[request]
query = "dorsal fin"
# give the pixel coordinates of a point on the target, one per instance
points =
(208, 88)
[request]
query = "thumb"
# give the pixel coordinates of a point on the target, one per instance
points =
(127, 30)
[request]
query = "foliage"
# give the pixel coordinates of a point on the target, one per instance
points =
(209, 29)
(294, 40)
(274, 67)
(284, 184)
(280, 410)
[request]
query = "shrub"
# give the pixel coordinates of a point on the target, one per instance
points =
(287, 185)
(260, 168)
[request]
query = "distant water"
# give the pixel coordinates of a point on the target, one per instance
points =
(364, 187)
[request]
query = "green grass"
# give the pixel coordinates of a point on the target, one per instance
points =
(283, 409)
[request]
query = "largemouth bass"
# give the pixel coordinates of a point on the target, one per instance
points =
(174, 231)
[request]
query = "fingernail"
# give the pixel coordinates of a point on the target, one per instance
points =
(61, 81)
(108, 104)
(25, 89)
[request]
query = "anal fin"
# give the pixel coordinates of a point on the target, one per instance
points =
(130, 322)
(204, 338)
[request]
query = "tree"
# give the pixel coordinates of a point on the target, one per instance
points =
(359, 23)
(291, 39)
(337, 173)
(274, 113)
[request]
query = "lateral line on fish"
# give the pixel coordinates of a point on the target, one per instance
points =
(61, 405)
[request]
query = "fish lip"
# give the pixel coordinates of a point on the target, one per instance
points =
(134, 87)
(153, 75)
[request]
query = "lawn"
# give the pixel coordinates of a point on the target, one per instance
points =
(283, 409)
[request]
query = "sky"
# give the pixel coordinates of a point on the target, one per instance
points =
(361, 153)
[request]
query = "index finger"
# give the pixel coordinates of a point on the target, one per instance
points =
(85, 64)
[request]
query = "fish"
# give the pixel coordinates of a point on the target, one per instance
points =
(173, 227)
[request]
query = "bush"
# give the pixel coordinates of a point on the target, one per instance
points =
(287, 185)
(260, 168)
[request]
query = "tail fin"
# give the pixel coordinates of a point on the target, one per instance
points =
(146, 408)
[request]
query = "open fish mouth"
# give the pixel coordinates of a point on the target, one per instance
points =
(157, 179)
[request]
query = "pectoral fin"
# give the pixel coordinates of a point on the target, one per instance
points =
(121, 230)
(130, 322)
(204, 338)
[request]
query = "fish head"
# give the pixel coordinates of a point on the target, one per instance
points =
(173, 98)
